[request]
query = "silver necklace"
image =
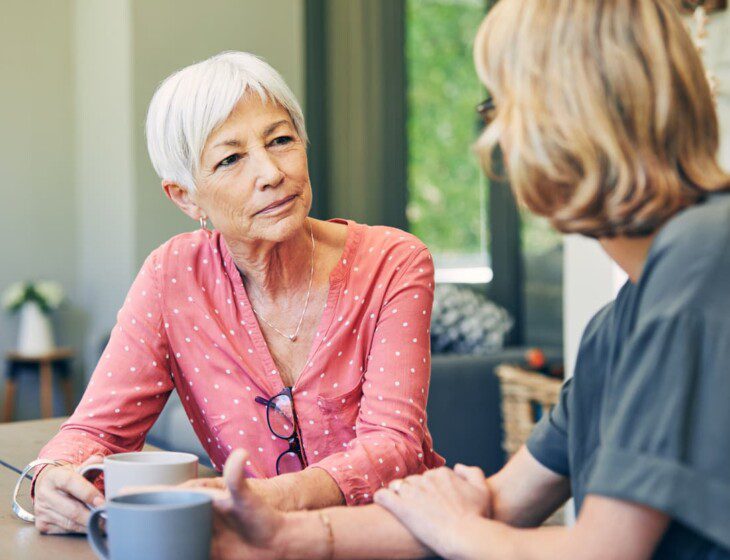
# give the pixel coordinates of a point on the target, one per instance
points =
(293, 337)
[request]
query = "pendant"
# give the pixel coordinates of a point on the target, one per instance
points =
(293, 337)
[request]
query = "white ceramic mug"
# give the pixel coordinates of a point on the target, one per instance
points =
(143, 468)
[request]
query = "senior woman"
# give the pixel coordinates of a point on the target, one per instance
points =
(323, 326)
(624, 151)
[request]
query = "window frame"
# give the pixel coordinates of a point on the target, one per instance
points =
(505, 244)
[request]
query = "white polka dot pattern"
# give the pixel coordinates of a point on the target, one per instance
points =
(361, 399)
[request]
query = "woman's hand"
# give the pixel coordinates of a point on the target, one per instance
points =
(267, 489)
(212, 483)
(437, 505)
(60, 495)
(244, 525)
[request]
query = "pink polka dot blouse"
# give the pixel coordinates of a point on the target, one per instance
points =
(187, 325)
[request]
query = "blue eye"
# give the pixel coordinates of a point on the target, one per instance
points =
(230, 160)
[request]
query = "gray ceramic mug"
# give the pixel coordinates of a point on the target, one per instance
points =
(166, 525)
(143, 468)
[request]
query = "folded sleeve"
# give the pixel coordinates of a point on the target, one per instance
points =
(664, 425)
(129, 385)
(548, 442)
(390, 429)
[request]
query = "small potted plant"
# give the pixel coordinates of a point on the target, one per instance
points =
(35, 301)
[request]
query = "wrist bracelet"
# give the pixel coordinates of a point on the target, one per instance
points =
(18, 510)
(327, 522)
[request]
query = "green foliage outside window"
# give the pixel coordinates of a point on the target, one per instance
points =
(447, 204)
(447, 193)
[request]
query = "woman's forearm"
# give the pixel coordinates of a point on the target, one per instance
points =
(363, 532)
(524, 493)
(511, 507)
(308, 489)
(486, 539)
(371, 532)
(606, 529)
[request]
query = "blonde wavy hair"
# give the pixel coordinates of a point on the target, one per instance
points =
(603, 112)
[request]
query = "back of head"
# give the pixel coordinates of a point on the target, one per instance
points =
(604, 112)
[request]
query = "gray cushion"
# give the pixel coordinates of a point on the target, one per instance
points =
(464, 407)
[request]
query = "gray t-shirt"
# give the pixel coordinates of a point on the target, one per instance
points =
(646, 417)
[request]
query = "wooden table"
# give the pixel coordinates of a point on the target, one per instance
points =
(20, 443)
(21, 541)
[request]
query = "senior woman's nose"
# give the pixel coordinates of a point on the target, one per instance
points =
(266, 169)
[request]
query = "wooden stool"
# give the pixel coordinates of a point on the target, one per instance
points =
(61, 358)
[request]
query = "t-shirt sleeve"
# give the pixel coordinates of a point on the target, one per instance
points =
(664, 425)
(548, 442)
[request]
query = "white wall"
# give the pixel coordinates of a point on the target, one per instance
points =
(124, 50)
(717, 60)
(170, 34)
(591, 280)
(39, 223)
(104, 162)
(82, 204)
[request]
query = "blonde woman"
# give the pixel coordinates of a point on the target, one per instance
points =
(608, 129)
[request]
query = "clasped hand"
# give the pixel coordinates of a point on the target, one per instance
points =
(438, 505)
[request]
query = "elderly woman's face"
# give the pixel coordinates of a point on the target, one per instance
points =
(253, 181)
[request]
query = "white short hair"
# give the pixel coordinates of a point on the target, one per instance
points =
(192, 102)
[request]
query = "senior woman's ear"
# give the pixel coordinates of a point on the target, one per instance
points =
(182, 199)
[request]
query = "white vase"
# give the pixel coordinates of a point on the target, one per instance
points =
(35, 336)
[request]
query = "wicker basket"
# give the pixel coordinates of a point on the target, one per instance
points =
(526, 395)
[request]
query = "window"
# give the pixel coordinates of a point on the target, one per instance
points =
(448, 195)
(542, 258)
(418, 54)
(447, 192)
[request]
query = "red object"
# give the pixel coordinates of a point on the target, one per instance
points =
(535, 358)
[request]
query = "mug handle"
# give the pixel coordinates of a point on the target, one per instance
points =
(88, 468)
(85, 471)
(97, 540)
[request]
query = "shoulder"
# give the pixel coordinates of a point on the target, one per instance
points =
(387, 256)
(591, 371)
(702, 222)
(596, 334)
(185, 252)
(596, 341)
(688, 266)
(185, 244)
(396, 257)
(391, 244)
